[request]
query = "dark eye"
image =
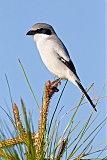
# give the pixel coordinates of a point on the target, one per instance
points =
(44, 31)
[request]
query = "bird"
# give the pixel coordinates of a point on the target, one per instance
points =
(55, 55)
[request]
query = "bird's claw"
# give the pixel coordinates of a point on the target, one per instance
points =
(54, 88)
(55, 84)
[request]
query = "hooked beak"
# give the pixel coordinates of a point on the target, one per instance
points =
(31, 32)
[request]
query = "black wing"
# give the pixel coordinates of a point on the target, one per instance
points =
(70, 65)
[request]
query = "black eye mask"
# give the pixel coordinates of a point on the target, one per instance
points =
(39, 31)
(44, 31)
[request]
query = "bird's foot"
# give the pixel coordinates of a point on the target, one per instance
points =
(55, 83)
(54, 88)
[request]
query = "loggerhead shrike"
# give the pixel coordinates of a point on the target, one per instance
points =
(55, 55)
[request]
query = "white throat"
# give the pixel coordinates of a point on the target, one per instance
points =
(40, 37)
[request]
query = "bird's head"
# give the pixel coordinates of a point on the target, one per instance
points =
(41, 30)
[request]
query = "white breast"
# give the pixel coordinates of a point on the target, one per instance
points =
(50, 49)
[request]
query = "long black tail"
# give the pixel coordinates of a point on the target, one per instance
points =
(85, 93)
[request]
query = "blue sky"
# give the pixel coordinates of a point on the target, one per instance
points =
(80, 24)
